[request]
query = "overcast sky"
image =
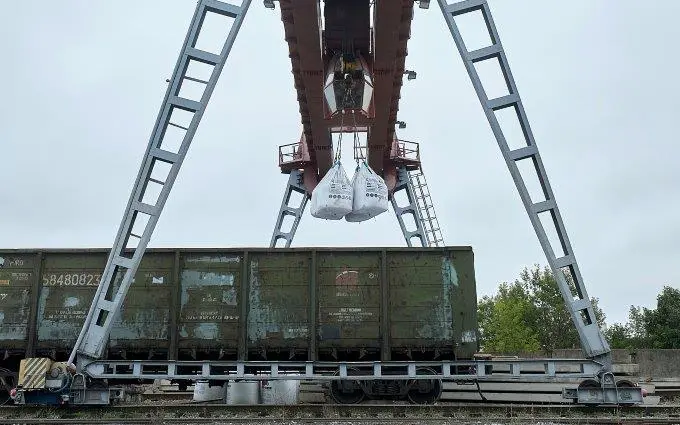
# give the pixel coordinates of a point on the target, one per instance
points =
(83, 81)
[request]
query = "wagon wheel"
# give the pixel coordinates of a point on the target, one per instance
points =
(347, 391)
(424, 391)
(8, 380)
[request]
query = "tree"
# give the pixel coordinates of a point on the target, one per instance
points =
(531, 310)
(504, 321)
(552, 321)
(618, 336)
(663, 324)
(650, 328)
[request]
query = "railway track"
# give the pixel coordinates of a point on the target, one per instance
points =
(466, 413)
(283, 421)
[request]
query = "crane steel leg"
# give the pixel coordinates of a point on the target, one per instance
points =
(295, 184)
(404, 184)
(578, 303)
(158, 171)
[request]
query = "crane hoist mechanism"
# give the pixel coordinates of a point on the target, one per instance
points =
(348, 76)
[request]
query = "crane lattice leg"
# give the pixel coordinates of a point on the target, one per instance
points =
(405, 185)
(576, 299)
(175, 127)
(295, 185)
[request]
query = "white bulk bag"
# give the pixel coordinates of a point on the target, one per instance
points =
(332, 197)
(370, 194)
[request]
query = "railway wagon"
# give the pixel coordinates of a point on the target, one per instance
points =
(248, 304)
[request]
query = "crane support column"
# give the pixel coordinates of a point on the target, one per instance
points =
(295, 185)
(405, 184)
(564, 266)
(175, 127)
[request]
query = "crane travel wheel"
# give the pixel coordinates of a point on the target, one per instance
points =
(622, 392)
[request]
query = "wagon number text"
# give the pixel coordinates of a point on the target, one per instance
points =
(74, 279)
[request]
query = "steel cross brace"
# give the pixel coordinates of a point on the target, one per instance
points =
(577, 301)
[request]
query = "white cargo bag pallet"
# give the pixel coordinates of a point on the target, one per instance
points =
(370, 194)
(332, 197)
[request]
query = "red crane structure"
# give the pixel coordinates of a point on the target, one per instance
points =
(373, 57)
(348, 67)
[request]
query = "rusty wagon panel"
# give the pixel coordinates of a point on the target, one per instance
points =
(69, 281)
(17, 277)
(143, 323)
(433, 302)
(326, 303)
(278, 302)
(211, 284)
(349, 292)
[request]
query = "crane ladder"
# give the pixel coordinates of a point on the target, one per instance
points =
(428, 218)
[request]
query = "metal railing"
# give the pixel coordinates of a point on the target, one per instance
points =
(401, 152)
(293, 154)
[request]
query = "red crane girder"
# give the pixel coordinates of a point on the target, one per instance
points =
(347, 23)
(392, 30)
(302, 27)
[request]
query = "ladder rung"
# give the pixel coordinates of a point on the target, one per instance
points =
(202, 56)
(543, 206)
(177, 125)
(123, 262)
(144, 208)
(165, 155)
(502, 102)
(580, 304)
(523, 153)
(565, 261)
(223, 8)
(198, 80)
(135, 235)
(182, 103)
(151, 179)
(105, 305)
(484, 53)
(465, 6)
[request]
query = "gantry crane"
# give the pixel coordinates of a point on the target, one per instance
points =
(347, 56)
